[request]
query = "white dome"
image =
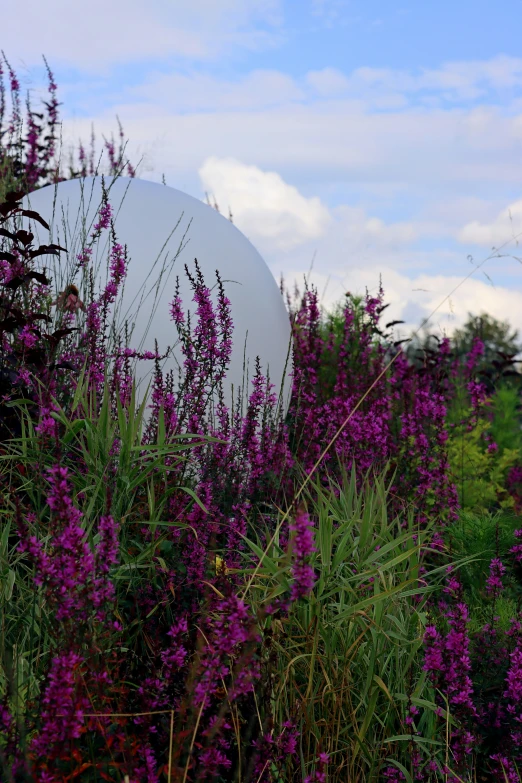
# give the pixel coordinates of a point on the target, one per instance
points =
(164, 229)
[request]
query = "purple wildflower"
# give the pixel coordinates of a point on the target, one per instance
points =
(302, 546)
(494, 584)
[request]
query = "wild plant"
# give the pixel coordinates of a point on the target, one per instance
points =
(163, 616)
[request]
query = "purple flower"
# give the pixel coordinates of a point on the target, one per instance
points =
(477, 350)
(302, 546)
(517, 549)
(513, 691)
(319, 774)
(75, 578)
(105, 215)
(62, 708)
(494, 584)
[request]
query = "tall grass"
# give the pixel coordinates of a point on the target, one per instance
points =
(345, 663)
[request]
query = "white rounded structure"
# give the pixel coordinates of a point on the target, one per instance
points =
(164, 230)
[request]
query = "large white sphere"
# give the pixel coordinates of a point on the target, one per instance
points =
(164, 229)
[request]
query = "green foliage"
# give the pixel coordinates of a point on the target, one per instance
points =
(480, 474)
(347, 662)
(483, 535)
(122, 476)
(506, 424)
(496, 336)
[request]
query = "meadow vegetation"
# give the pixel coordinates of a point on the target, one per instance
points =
(190, 593)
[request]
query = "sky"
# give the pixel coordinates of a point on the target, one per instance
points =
(352, 140)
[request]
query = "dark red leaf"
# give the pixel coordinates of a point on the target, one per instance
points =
(14, 283)
(63, 332)
(37, 276)
(14, 195)
(24, 236)
(7, 208)
(5, 233)
(44, 250)
(30, 213)
(41, 317)
(62, 366)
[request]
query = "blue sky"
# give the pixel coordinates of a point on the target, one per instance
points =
(380, 138)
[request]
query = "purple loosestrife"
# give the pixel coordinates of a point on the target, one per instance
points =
(147, 770)
(121, 372)
(2, 96)
(458, 685)
(476, 389)
(32, 170)
(109, 146)
(230, 627)
(14, 85)
(366, 439)
(302, 546)
(52, 111)
(355, 355)
(74, 577)
(516, 550)
(319, 774)
(279, 750)
(422, 441)
(174, 657)
(494, 585)
(83, 160)
(447, 660)
(474, 355)
(63, 709)
(513, 690)
(95, 335)
(116, 157)
(514, 679)
(514, 487)
(105, 217)
(40, 150)
(213, 759)
(306, 410)
(393, 775)
(118, 270)
(506, 771)
(225, 663)
(230, 475)
(206, 365)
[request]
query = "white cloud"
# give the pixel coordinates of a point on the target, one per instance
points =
(328, 81)
(332, 142)
(125, 31)
(265, 207)
(413, 299)
(436, 294)
(259, 89)
(358, 249)
(506, 226)
(463, 80)
(453, 82)
(452, 309)
(357, 227)
(329, 11)
(498, 72)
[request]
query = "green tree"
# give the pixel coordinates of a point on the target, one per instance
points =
(498, 337)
